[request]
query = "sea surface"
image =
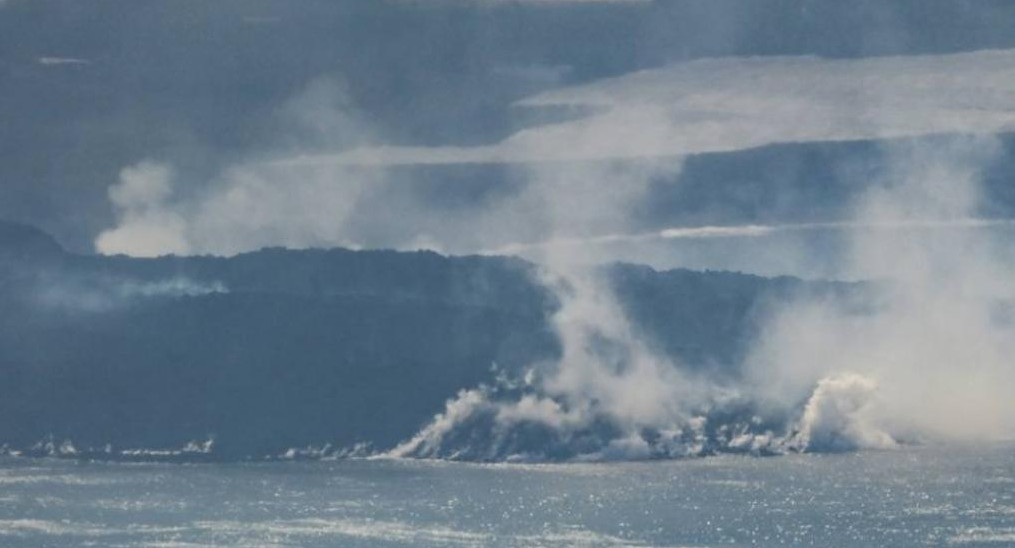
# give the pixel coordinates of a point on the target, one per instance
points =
(916, 496)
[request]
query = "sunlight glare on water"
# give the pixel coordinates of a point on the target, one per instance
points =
(909, 497)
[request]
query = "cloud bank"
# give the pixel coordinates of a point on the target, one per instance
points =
(314, 190)
(722, 105)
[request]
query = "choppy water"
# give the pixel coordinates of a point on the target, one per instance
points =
(909, 497)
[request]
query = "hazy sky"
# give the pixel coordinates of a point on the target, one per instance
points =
(202, 93)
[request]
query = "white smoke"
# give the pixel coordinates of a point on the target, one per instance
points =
(839, 416)
(928, 357)
(149, 226)
(606, 378)
(939, 339)
(925, 355)
(610, 394)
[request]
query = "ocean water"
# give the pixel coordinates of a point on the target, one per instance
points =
(916, 496)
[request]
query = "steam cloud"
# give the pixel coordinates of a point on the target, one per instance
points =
(939, 341)
(927, 356)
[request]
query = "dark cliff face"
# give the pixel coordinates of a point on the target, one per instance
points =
(263, 351)
(277, 349)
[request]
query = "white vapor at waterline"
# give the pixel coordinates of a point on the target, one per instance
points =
(608, 384)
(940, 340)
(928, 355)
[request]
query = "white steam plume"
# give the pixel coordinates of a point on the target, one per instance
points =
(940, 339)
(929, 358)
(607, 377)
(252, 205)
(149, 226)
